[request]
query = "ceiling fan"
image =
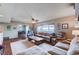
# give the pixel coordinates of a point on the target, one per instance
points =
(34, 21)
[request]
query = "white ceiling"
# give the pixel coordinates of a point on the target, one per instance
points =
(40, 11)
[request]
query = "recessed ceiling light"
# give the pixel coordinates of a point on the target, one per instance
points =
(1, 16)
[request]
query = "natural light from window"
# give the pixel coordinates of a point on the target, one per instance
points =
(46, 28)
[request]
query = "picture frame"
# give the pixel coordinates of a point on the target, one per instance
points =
(65, 26)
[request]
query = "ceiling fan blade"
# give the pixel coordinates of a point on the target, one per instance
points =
(33, 19)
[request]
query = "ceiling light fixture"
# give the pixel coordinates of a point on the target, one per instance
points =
(34, 21)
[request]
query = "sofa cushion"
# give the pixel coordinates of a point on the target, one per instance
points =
(66, 42)
(62, 45)
(57, 51)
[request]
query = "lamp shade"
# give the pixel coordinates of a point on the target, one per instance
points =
(75, 32)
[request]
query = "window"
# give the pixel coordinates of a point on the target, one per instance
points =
(46, 28)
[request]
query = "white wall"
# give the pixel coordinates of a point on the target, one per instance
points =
(1, 38)
(27, 28)
(1, 34)
(13, 33)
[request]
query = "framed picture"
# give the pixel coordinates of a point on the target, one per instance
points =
(65, 26)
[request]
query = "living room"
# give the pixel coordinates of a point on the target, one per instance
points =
(29, 28)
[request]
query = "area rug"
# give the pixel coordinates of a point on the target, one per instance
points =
(46, 47)
(19, 46)
(35, 50)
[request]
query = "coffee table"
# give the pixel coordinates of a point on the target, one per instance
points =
(36, 40)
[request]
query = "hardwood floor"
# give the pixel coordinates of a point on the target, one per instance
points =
(7, 48)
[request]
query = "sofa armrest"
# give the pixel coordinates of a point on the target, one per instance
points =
(57, 51)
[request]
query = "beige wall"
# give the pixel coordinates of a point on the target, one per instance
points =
(69, 20)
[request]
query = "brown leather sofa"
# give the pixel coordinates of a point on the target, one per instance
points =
(46, 36)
